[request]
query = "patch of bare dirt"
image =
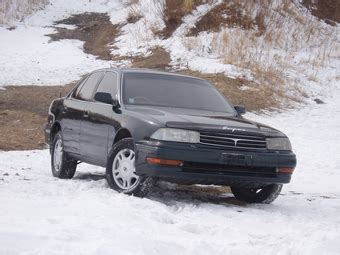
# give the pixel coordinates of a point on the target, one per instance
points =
(21, 130)
(230, 14)
(328, 10)
(23, 112)
(158, 59)
(95, 29)
(174, 12)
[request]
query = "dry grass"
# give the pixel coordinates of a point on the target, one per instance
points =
(134, 14)
(173, 13)
(158, 59)
(23, 112)
(14, 10)
(228, 14)
(21, 130)
(132, 2)
(265, 37)
(188, 5)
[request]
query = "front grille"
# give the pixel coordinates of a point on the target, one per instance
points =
(231, 140)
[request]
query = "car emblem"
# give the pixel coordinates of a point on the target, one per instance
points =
(225, 127)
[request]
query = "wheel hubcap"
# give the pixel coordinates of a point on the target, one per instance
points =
(123, 169)
(58, 155)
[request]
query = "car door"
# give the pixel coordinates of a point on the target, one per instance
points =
(71, 116)
(98, 123)
(74, 111)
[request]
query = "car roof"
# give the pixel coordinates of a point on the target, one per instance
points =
(144, 70)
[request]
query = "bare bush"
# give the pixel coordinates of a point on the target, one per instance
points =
(283, 40)
(16, 10)
(134, 14)
(174, 12)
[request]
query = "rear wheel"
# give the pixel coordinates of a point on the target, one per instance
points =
(265, 195)
(62, 166)
(121, 172)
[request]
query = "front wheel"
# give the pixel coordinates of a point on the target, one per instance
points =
(121, 172)
(264, 195)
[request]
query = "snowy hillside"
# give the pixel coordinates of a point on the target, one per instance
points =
(27, 50)
(278, 44)
(264, 54)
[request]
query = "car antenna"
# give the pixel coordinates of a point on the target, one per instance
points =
(59, 90)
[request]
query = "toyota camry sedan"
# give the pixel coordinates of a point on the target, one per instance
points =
(145, 125)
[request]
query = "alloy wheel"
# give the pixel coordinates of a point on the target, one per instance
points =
(123, 169)
(58, 155)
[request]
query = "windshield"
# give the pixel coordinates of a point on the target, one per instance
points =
(172, 91)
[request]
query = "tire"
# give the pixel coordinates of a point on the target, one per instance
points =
(264, 195)
(120, 171)
(62, 165)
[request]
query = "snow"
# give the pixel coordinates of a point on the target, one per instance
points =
(44, 215)
(138, 38)
(27, 50)
(36, 61)
(40, 214)
(303, 50)
(309, 63)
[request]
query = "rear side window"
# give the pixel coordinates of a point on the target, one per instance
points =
(78, 86)
(85, 92)
(109, 84)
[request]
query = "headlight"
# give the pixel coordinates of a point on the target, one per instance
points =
(278, 144)
(176, 135)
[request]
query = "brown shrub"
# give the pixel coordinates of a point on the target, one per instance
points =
(328, 10)
(17, 10)
(159, 59)
(174, 11)
(229, 14)
(134, 15)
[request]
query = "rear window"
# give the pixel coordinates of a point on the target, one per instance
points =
(109, 84)
(85, 91)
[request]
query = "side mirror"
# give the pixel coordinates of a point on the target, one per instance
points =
(240, 109)
(104, 97)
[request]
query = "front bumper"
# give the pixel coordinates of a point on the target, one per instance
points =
(209, 165)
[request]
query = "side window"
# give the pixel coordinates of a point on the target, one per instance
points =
(80, 85)
(86, 91)
(109, 84)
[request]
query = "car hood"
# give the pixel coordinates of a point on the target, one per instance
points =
(202, 120)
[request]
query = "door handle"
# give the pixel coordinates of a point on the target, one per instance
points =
(86, 114)
(64, 109)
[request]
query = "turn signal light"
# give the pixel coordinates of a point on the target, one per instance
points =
(168, 162)
(286, 170)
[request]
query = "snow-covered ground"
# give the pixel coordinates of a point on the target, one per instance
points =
(27, 57)
(43, 215)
